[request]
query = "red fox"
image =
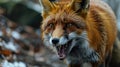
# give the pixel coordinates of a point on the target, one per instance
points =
(81, 31)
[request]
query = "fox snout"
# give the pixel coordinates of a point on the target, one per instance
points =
(58, 41)
(55, 40)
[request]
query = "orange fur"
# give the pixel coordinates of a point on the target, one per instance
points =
(98, 20)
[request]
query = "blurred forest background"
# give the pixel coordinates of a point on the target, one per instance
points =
(20, 43)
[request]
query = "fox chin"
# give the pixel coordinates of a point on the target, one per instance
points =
(81, 31)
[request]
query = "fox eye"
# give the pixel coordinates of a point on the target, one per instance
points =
(51, 25)
(69, 24)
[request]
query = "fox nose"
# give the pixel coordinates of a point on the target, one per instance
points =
(55, 40)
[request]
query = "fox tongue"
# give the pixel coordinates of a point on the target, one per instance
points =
(61, 52)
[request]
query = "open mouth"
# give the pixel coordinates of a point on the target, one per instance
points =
(63, 50)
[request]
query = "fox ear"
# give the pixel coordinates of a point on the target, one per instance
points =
(46, 7)
(80, 6)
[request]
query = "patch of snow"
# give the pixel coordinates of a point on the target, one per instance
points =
(14, 64)
(11, 46)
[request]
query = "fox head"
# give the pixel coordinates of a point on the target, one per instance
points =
(64, 24)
